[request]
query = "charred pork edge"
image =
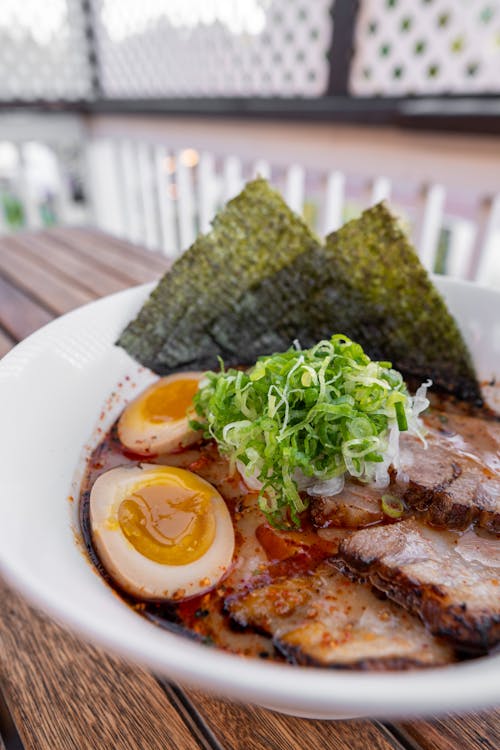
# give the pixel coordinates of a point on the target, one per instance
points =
(439, 509)
(450, 622)
(371, 664)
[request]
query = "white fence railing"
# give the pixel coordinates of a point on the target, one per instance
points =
(161, 199)
(139, 189)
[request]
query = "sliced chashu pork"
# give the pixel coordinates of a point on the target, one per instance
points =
(356, 506)
(440, 576)
(455, 481)
(340, 623)
(325, 619)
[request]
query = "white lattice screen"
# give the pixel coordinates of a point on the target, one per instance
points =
(43, 53)
(426, 47)
(238, 48)
(184, 48)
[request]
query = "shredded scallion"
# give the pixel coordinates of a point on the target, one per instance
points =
(317, 413)
(392, 506)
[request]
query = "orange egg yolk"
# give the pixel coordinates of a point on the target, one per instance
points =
(170, 523)
(170, 400)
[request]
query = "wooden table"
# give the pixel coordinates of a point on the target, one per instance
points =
(58, 692)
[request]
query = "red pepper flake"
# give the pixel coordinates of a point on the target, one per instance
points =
(200, 463)
(179, 594)
(326, 639)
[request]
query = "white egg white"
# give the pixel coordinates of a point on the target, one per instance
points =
(146, 437)
(137, 574)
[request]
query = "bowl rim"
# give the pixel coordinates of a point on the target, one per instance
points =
(319, 693)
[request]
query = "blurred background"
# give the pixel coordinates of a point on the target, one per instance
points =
(141, 118)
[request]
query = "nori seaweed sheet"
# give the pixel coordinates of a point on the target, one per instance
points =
(255, 235)
(260, 280)
(368, 283)
(390, 305)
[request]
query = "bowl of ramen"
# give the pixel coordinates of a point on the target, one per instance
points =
(298, 526)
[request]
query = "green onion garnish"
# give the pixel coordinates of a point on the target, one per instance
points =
(401, 416)
(392, 506)
(308, 415)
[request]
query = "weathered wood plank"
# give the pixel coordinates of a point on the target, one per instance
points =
(55, 293)
(9, 734)
(6, 343)
(124, 258)
(65, 263)
(66, 695)
(470, 732)
(20, 315)
(149, 258)
(253, 728)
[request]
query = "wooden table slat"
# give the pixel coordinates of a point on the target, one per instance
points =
(107, 254)
(147, 258)
(77, 269)
(66, 695)
(151, 258)
(237, 726)
(55, 293)
(471, 732)
(6, 342)
(20, 315)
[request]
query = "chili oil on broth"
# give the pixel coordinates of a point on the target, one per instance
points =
(262, 554)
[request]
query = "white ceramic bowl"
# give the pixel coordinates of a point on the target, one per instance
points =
(53, 388)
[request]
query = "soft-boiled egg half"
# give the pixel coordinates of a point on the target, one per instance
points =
(157, 421)
(160, 532)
